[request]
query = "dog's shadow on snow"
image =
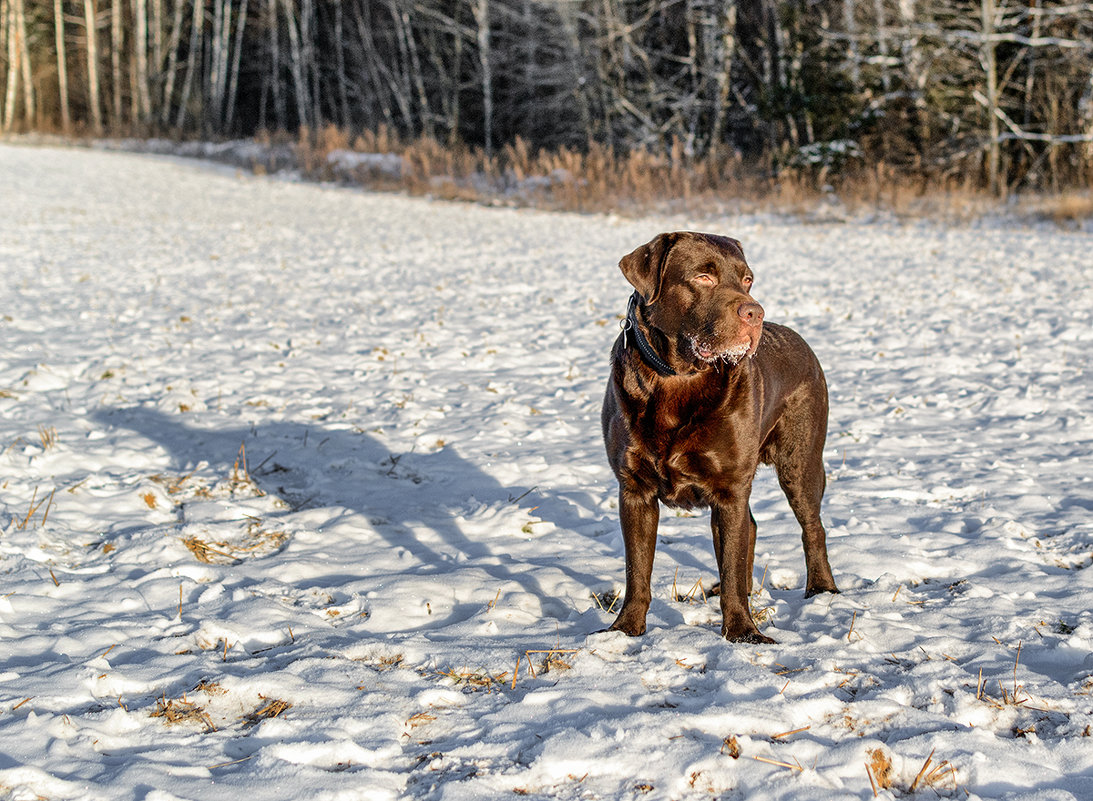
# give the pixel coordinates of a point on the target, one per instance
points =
(410, 500)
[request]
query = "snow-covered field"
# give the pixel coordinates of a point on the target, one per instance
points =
(293, 478)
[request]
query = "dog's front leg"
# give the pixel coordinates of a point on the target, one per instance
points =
(732, 535)
(640, 514)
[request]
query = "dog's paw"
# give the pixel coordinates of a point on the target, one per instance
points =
(629, 631)
(750, 636)
(831, 588)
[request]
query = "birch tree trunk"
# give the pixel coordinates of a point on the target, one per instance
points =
(115, 60)
(140, 49)
(196, 30)
(62, 66)
(233, 83)
(339, 44)
(13, 70)
(172, 61)
(990, 67)
(275, 62)
(310, 68)
(90, 22)
(157, 42)
(481, 10)
(724, 76)
(19, 62)
(218, 81)
(419, 82)
(296, 67)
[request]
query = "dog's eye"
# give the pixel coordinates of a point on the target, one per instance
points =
(705, 279)
(746, 280)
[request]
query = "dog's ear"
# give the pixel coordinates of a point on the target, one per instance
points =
(644, 267)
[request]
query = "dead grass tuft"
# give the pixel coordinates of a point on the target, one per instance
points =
(606, 600)
(270, 709)
(35, 505)
(760, 614)
(47, 436)
(553, 659)
(602, 179)
(173, 484)
(692, 596)
(1066, 210)
(255, 542)
(382, 663)
(474, 680)
(879, 769)
(181, 710)
(935, 777)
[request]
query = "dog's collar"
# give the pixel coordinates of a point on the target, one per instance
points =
(630, 325)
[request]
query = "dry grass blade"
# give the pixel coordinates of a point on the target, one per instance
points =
(32, 510)
(922, 771)
(778, 763)
(787, 733)
(872, 783)
(420, 719)
(731, 747)
(232, 762)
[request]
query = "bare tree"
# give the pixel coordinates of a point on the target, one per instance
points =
(197, 28)
(140, 51)
(172, 62)
(13, 39)
(481, 9)
(91, 23)
(233, 84)
(987, 49)
(62, 67)
(115, 60)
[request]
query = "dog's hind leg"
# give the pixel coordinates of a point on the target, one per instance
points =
(795, 448)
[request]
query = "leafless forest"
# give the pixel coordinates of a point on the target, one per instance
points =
(995, 93)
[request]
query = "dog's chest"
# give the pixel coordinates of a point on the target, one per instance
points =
(687, 457)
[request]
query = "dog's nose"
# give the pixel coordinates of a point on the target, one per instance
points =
(750, 313)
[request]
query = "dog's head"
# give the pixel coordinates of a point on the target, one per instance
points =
(697, 292)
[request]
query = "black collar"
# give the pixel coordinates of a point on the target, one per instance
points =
(644, 348)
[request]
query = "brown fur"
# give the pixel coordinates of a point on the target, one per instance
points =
(745, 392)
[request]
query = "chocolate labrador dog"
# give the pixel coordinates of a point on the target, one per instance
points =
(702, 390)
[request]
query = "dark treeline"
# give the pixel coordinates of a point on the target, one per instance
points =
(998, 92)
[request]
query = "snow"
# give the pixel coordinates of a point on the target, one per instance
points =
(294, 476)
(350, 162)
